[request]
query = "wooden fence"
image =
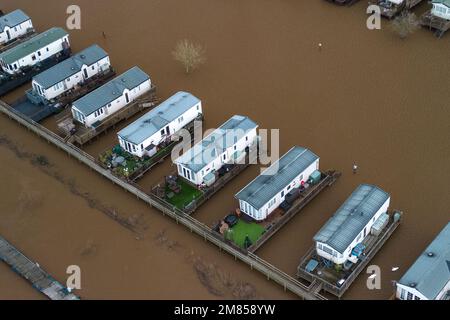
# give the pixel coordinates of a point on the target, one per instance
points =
(270, 271)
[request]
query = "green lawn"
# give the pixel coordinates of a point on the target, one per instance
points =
(187, 194)
(242, 229)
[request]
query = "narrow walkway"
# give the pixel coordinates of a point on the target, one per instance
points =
(255, 262)
(29, 270)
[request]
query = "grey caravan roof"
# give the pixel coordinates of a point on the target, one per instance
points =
(431, 271)
(156, 119)
(70, 66)
(352, 217)
(110, 91)
(12, 19)
(217, 142)
(267, 185)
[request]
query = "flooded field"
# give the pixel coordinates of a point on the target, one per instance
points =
(365, 97)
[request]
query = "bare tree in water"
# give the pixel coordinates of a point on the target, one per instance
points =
(405, 24)
(189, 54)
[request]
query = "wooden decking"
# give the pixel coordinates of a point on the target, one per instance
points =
(436, 24)
(327, 276)
(195, 226)
(83, 135)
(328, 179)
(34, 274)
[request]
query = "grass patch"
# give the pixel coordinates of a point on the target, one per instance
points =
(242, 229)
(187, 195)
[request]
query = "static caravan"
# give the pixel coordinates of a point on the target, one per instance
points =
(14, 25)
(71, 72)
(35, 50)
(351, 224)
(222, 146)
(94, 107)
(429, 276)
(264, 194)
(143, 136)
(441, 9)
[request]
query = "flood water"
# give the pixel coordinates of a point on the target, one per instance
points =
(366, 97)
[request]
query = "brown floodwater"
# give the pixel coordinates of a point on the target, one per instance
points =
(366, 97)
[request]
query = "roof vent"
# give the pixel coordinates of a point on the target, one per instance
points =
(124, 80)
(430, 254)
(413, 284)
(82, 56)
(160, 112)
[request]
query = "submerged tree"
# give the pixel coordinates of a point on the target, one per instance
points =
(405, 24)
(189, 54)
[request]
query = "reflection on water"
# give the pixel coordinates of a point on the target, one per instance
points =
(365, 97)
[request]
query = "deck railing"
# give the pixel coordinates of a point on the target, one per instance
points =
(311, 193)
(271, 272)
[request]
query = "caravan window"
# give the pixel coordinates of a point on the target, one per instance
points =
(327, 250)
